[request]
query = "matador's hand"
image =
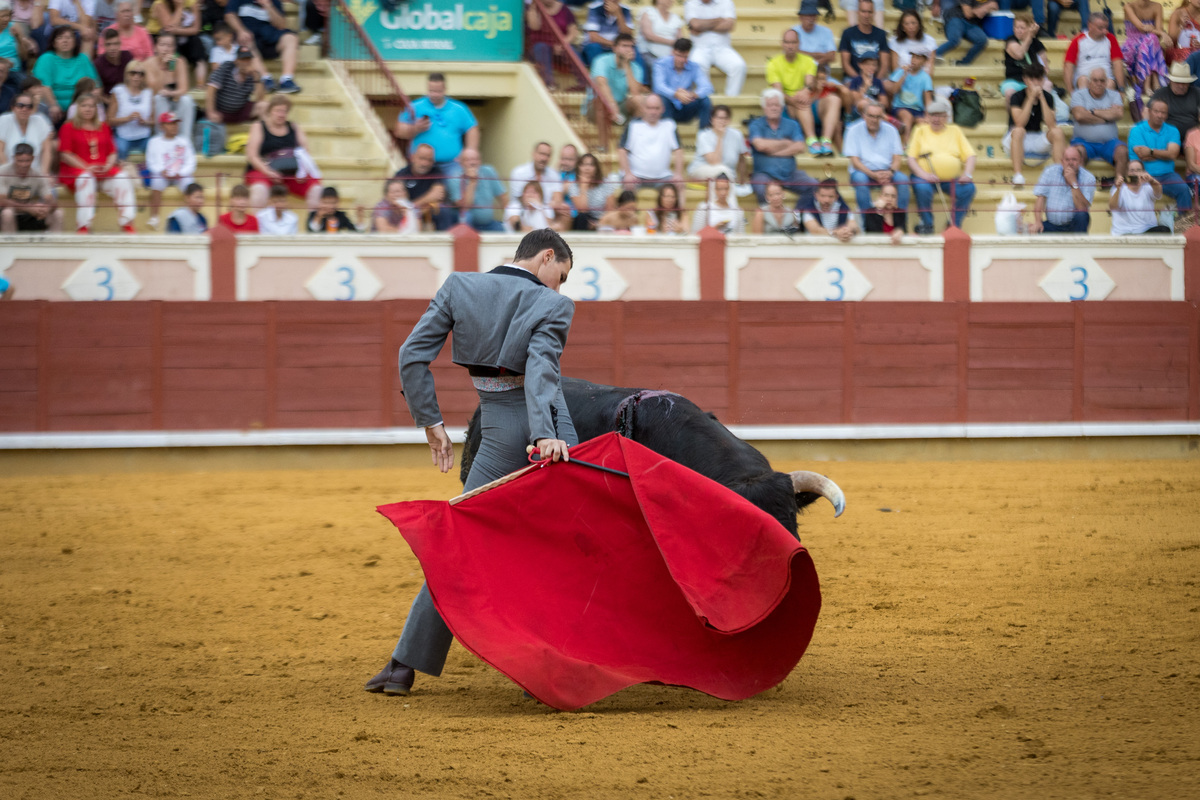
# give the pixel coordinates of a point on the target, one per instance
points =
(553, 449)
(439, 443)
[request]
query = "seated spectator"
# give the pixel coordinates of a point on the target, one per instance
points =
(850, 7)
(1182, 97)
(830, 215)
(477, 192)
(427, 190)
(1064, 195)
(910, 35)
(864, 39)
(328, 218)
(237, 218)
(668, 215)
(394, 213)
(1142, 50)
(619, 79)
(795, 75)
(1156, 144)
(31, 23)
(885, 215)
(1095, 112)
(61, 68)
(234, 92)
(657, 29)
(589, 193)
(110, 65)
(167, 74)
(1191, 154)
(816, 41)
(568, 158)
(170, 159)
(276, 152)
(876, 157)
(539, 170)
(88, 86)
(27, 199)
(774, 217)
(649, 152)
(710, 23)
(261, 24)
(721, 150)
(683, 86)
(179, 18)
(1184, 30)
(542, 47)
(865, 88)
(134, 37)
(15, 44)
(911, 89)
(964, 20)
(1028, 111)
(530, 212)
(605, 19)
(1093, 48)
(189, 219)
(720, 211)
(10, 84)
(939, 155)
(131, 111)
(89, 164)
(443, 123)
(224, 47)
(624, 217)
(80, 17)
(277, 219)
(1055, 8)
(22, 126)
(1021, 50)
(774, 142)
(1132, 203)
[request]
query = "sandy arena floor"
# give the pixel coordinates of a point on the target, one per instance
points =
(1003, 629)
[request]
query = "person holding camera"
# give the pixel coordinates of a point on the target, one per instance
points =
(1132, 203)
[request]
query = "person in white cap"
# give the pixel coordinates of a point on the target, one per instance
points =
(170, 159)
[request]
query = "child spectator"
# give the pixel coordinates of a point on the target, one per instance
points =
(277, 219)
(327, 217)
(529, 212)
(171, 159)
(394, 213)
(236, 219)
(912, 88)
(189, 219)
(865, 88)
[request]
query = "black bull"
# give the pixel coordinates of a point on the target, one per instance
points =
(677, 428)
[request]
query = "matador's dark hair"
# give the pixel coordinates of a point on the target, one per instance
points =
(537, 241)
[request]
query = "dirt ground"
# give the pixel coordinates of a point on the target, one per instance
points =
(990, 629)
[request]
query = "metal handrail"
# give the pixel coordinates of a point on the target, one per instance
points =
(397, 95)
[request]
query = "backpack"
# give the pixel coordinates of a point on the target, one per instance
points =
(209, 138)
(968, 108)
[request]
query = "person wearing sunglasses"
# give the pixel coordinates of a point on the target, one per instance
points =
(22, 126)
(131, 111)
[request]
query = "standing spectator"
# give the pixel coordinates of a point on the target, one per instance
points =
(1132, 203)
(911, 89)
(885, 215)
(910, 35)
(795, 76)
(649, 152)
(189, 219)
(529, 212)
(710, 23)
(619, 79)
(775, 140)
(261, 24)
(542, 47)
(273, 155)
(1095, 47)
(1055, 9)
(1184, 29)
(1095, 111)
(588, 193)
(1028, 111)
(477, 192)
(22, 126)
(1156, 144)
(864, 39)
(237, 218)
(110, 65)
(1143, 47)
(61, 68)
(774, 217)
(131, 111)
(443, 123)
(721, 150)
(539, 170)
(668, 215)
(816, 41)
(964, 20)
(605, 19)
(683, 86)
(80, 17)
(720, 211)
(171, 159)
(27, 199)
(876, 157)
(179, 18)
(658, 28)
(940, 155)
(167, 74)
(328, 218)
(830, 215)
(234, 92)
(1064, 195)
(1182, 97)
(89, 163)
(277, 219)
(134, 37)
(1021, 50)
(427, 190)
(394, 213)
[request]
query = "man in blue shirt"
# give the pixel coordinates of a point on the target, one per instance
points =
(1064, 196)
(876, 155)
(619, 79)
(683, 86)
(1156, 144)
(605, 19)
(477, 192)
(262, 24)
(816, 41)
(775, 140)
(443, 123)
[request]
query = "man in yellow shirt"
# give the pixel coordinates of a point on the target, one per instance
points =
(795, 74)
(940, 155)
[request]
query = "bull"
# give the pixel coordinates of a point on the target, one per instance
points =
(675, 427)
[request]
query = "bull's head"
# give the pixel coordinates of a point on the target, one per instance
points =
(811, 485)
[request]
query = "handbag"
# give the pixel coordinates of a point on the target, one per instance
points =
(284, 162)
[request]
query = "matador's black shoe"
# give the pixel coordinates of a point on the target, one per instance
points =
(394, 679)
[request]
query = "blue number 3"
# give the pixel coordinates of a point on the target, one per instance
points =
(1081, 281)
(593, 281)
(105, 284)
(836, 282)
(348, 282)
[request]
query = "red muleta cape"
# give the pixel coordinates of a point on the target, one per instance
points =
(577, 583)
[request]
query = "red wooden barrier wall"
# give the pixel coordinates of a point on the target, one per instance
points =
(214, 365)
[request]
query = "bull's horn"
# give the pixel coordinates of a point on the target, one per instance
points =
(816, 483)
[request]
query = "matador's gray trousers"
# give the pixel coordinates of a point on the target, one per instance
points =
(426, 640)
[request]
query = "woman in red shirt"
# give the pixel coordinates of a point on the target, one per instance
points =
(88, 158)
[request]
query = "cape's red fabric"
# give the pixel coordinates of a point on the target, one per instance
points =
(577, 583)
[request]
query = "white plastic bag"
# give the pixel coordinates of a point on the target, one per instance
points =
(1008, 215)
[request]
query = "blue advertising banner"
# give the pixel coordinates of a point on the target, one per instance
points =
(436, 30)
